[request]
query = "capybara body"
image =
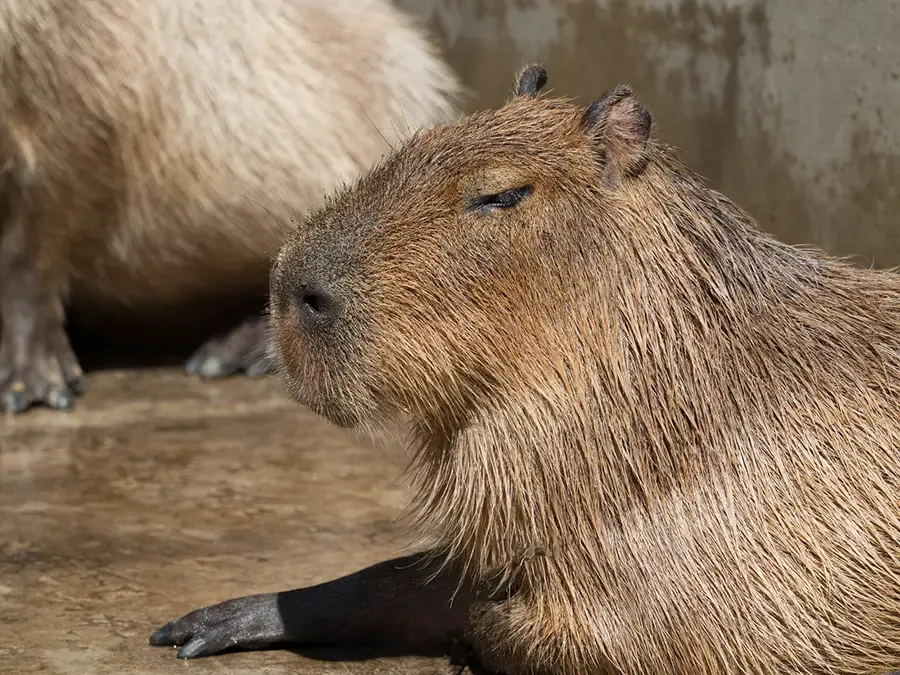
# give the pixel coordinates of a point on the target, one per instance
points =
(681, 432)
(155, 151)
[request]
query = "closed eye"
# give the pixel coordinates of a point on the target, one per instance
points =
(501, 200)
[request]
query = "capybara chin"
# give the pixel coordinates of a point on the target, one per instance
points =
(676, 436)
(152, 153)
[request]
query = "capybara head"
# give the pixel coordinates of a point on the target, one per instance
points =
(459, 262)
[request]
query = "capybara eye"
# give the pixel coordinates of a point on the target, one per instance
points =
(501, 200)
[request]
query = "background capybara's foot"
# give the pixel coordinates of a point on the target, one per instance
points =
(44, 371)
(241, 350)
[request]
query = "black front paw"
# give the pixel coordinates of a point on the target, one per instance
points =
(253, 622)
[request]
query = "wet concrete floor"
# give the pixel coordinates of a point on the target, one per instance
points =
(160, 494)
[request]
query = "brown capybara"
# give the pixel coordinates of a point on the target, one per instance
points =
(676, 436)
(151, 152)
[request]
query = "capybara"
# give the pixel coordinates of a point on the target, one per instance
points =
(151, 152)
(677, 437)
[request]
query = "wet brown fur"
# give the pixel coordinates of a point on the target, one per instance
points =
(153, 150)
(699, 424)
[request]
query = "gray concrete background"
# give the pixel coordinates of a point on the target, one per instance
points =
(789, 107)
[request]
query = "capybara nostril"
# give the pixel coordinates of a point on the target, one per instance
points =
(317, 306)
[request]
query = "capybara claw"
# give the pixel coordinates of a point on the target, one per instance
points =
(44, 376)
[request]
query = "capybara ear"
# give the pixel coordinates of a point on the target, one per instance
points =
(531, 80)
(619, 126)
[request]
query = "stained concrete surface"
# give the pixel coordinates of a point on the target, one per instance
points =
(160, 494)
(790, 107)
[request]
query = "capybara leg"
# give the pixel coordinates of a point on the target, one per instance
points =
(506, 637)
(37, 364)
(241, 350)
(392, 604)
(486, 629)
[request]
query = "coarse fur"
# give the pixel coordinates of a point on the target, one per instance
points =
(153, 150)
(697, 422)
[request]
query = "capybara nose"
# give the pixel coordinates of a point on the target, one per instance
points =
(317, 306)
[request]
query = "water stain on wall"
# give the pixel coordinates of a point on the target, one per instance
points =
(791, 108)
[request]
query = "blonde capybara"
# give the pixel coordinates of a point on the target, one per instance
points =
(650, 438)
(153, 151)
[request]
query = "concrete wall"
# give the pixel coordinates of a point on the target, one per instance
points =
(790, 107)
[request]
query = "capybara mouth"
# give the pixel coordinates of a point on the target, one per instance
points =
(304, 373)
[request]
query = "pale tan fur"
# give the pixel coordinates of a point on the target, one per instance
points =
(164, 143)
(698, 423)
